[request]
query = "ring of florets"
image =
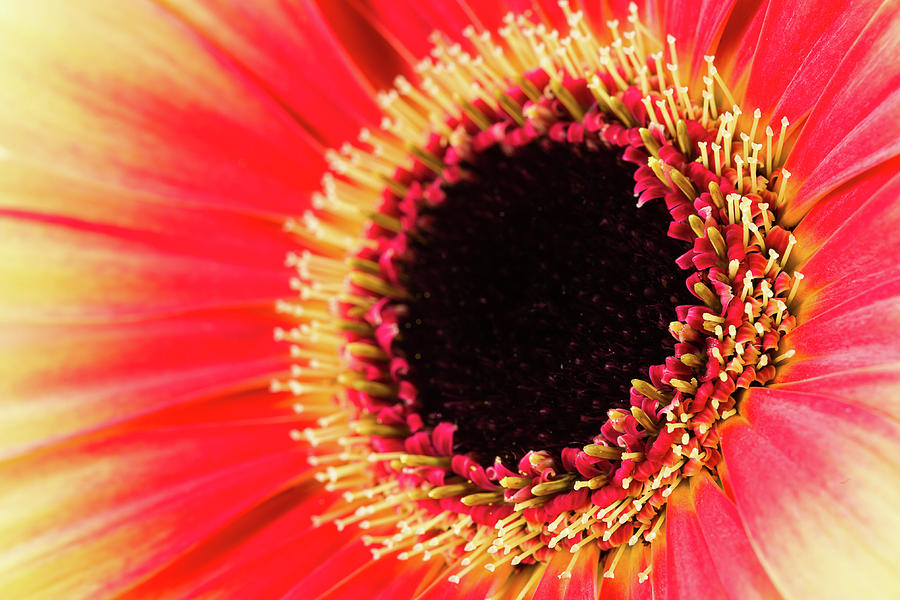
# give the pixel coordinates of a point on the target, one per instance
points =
(725, 192)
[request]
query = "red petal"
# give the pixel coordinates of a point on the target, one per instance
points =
(697, 27)
(854, 126)
(800, 46)
(292, 55)
(815, 483)
(246, 557)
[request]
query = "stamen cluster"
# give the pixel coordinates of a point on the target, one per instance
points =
(699, 155)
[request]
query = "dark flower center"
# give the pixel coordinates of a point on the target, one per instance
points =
(538, 292)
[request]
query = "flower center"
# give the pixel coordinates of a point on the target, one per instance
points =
(505, 287)
(538, 291)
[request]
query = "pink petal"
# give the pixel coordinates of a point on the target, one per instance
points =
(690, 568)
(840, 208)
(800, 45)
(731, 553)
(854, 126)
(860, 336)
(876, 389)
(815, 483)
(859, 253)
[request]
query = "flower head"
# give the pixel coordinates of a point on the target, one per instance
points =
(495, 384)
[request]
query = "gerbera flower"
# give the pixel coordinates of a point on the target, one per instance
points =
(158, 160)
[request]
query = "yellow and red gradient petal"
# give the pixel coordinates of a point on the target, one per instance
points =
(800, 45)
(130, 97)
(815, 483)
(137, 490)
(477, 585)
(406, 582)
(373, 49)
(846, 343)
(585, 573)
(580, 584)
(598, 13)
(35, 191)
(358, 579)
(329, 571)
(876, 388)
(295, 547)
(856, 123)
(60, 380)
(117, 273)
(659, 576)
(629, 581)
